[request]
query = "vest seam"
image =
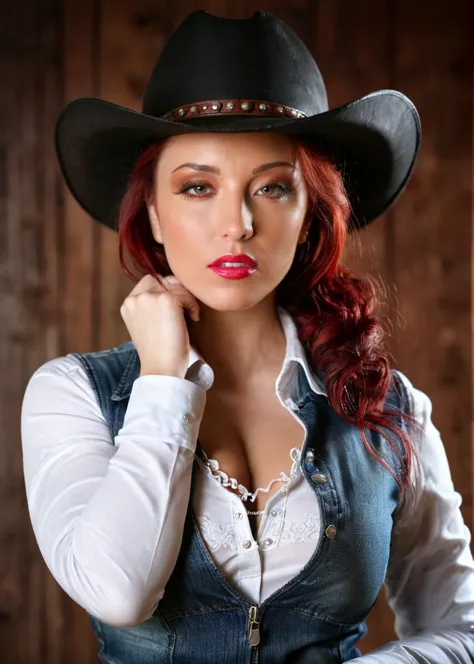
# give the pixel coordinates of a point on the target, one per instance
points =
(170, 617)
(327, 619)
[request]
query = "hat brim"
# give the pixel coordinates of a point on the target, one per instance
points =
(374, 140)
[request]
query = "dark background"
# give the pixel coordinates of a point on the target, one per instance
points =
(60, 283)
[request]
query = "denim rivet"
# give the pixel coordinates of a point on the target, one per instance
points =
(185, 418)
(319, 478)
(274, 513)
(331, 532)
(238, 515)
(247, 544)
(310, 456)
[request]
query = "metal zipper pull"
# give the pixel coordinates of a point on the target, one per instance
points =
(254, 626)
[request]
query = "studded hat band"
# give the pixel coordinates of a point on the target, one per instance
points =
(233, 107)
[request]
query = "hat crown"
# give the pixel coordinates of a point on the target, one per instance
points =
(259, 58)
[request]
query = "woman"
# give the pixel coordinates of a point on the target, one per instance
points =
(237, 482)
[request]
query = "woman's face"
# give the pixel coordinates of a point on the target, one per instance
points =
(219, 194)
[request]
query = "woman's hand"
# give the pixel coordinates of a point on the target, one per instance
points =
(154, 315)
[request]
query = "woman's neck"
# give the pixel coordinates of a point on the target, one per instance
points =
(243, 348)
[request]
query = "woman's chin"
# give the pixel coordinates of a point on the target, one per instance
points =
(231, 300)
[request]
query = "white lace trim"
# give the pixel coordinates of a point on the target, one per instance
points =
(212, 466)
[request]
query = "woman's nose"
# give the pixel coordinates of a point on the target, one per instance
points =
(236, 219)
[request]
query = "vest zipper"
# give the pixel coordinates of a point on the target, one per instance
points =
(253, 627)
(253, 631)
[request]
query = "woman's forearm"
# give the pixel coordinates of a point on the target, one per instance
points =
(109, 520)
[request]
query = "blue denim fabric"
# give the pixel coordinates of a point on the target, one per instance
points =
(315, 618)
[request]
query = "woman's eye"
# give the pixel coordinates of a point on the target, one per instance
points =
(198, 188)
(194, 189)
(274, 190)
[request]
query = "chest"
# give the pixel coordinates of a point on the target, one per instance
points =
(251, 437)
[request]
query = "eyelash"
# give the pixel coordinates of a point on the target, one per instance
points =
(187, 186)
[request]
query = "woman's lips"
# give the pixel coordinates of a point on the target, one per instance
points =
(233, 272)
(234, 260)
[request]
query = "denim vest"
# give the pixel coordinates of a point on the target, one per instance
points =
(315, 618)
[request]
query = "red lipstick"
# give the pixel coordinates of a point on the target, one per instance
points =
(234, 266)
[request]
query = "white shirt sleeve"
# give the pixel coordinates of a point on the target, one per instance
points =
(109, 519)
(430, 576)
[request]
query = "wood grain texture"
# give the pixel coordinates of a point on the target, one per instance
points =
(12, 333)
(30, 323)
(79, 232)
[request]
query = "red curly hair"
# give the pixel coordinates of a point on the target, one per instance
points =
(335, 310)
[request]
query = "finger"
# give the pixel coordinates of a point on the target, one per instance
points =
(188, 303)
(171, 284)
(177, 288)
(171, 279)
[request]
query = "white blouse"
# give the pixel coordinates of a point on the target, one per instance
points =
(108, 519)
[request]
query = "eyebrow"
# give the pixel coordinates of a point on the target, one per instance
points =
(213, 169)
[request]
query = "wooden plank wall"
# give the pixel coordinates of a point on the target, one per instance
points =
(60, 285)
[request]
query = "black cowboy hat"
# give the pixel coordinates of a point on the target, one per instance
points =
(224, 75)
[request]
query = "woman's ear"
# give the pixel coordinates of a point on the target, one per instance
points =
(154, 221)
(303, 237)
(304, 232)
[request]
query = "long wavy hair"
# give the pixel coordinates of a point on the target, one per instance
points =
(336, 311)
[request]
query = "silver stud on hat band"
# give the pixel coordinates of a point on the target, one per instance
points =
(233, 107)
